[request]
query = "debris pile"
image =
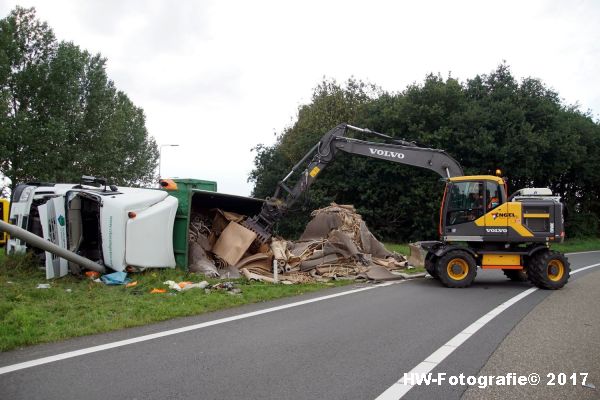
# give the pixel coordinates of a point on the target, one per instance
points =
(336, 244)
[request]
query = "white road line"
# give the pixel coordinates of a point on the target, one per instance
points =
(107, 346)
(582, 252)
(400, 388)
(584, 268)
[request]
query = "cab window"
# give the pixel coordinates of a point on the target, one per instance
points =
(465, 203)
(492, 193)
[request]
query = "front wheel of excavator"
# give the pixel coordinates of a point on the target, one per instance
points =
(456, 269)
(548, 269)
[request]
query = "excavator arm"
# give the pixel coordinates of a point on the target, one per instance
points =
(324, 152)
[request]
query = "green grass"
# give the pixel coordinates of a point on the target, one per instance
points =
(76, 307)
(569, 246)
(575, 245)
(401, 248)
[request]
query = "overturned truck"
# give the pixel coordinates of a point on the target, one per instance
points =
(115, 227)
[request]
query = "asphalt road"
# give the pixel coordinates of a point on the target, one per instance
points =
(348, 347)
(561, 336)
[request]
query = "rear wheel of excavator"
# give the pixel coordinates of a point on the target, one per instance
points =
(516, 275)
(456, 269)
(548, 269)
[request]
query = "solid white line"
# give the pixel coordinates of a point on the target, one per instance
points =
(582, 252)
(400, 388)
(107, 346)
(584, 268)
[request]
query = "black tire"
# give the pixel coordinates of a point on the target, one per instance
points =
(430, 261)
(456, 269)
(548, 269)
(517, 275)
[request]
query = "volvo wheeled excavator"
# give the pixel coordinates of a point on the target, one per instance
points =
(480, 226)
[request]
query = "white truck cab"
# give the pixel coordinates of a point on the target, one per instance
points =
(114, 226)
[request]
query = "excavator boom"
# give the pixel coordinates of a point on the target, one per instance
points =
(399, 151)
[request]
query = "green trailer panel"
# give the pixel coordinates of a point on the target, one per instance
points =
(200, 196)
(183, 193)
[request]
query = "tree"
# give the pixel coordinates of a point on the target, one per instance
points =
(331, 103)
(61, 117)
(490, 121)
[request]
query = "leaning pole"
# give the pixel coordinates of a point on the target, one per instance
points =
(41, 243)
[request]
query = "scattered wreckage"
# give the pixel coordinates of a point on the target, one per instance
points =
(190, 225)
(336, 244)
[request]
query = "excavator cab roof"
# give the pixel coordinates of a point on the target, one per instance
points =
(496, 179)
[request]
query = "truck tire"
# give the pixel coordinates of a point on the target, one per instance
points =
(456, 269)
(430, 262)
(516, 275)
(548, 269)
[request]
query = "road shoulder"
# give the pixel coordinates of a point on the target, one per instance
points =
(560, 335)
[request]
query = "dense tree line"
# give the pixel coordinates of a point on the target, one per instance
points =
(60, 115)
(490, 121)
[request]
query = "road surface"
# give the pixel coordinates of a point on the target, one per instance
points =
(354, 345)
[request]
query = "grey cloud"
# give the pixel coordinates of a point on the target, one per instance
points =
(222, 85)
(166, 27)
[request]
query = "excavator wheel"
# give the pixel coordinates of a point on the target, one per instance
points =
(516, 275)
(430, 262)
(548, 269)
(456, 269)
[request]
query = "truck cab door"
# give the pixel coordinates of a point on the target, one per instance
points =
(53, 221)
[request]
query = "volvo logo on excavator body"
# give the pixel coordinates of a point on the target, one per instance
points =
(386, 153)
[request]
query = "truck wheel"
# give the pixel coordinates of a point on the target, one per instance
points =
(456, 269)
(430, 261)
(548, 269)
(517, 275)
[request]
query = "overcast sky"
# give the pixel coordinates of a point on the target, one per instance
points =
(219, 77)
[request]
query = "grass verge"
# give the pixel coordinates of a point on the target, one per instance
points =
(401, 248)
(569, 246)
(575, 245)
(75, 307)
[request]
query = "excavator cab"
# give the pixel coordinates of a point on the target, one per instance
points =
(466, 200)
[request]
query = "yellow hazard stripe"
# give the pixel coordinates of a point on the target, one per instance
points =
(521, 230)
(536, 215)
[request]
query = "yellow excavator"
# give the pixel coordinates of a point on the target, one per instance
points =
(480, 225)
